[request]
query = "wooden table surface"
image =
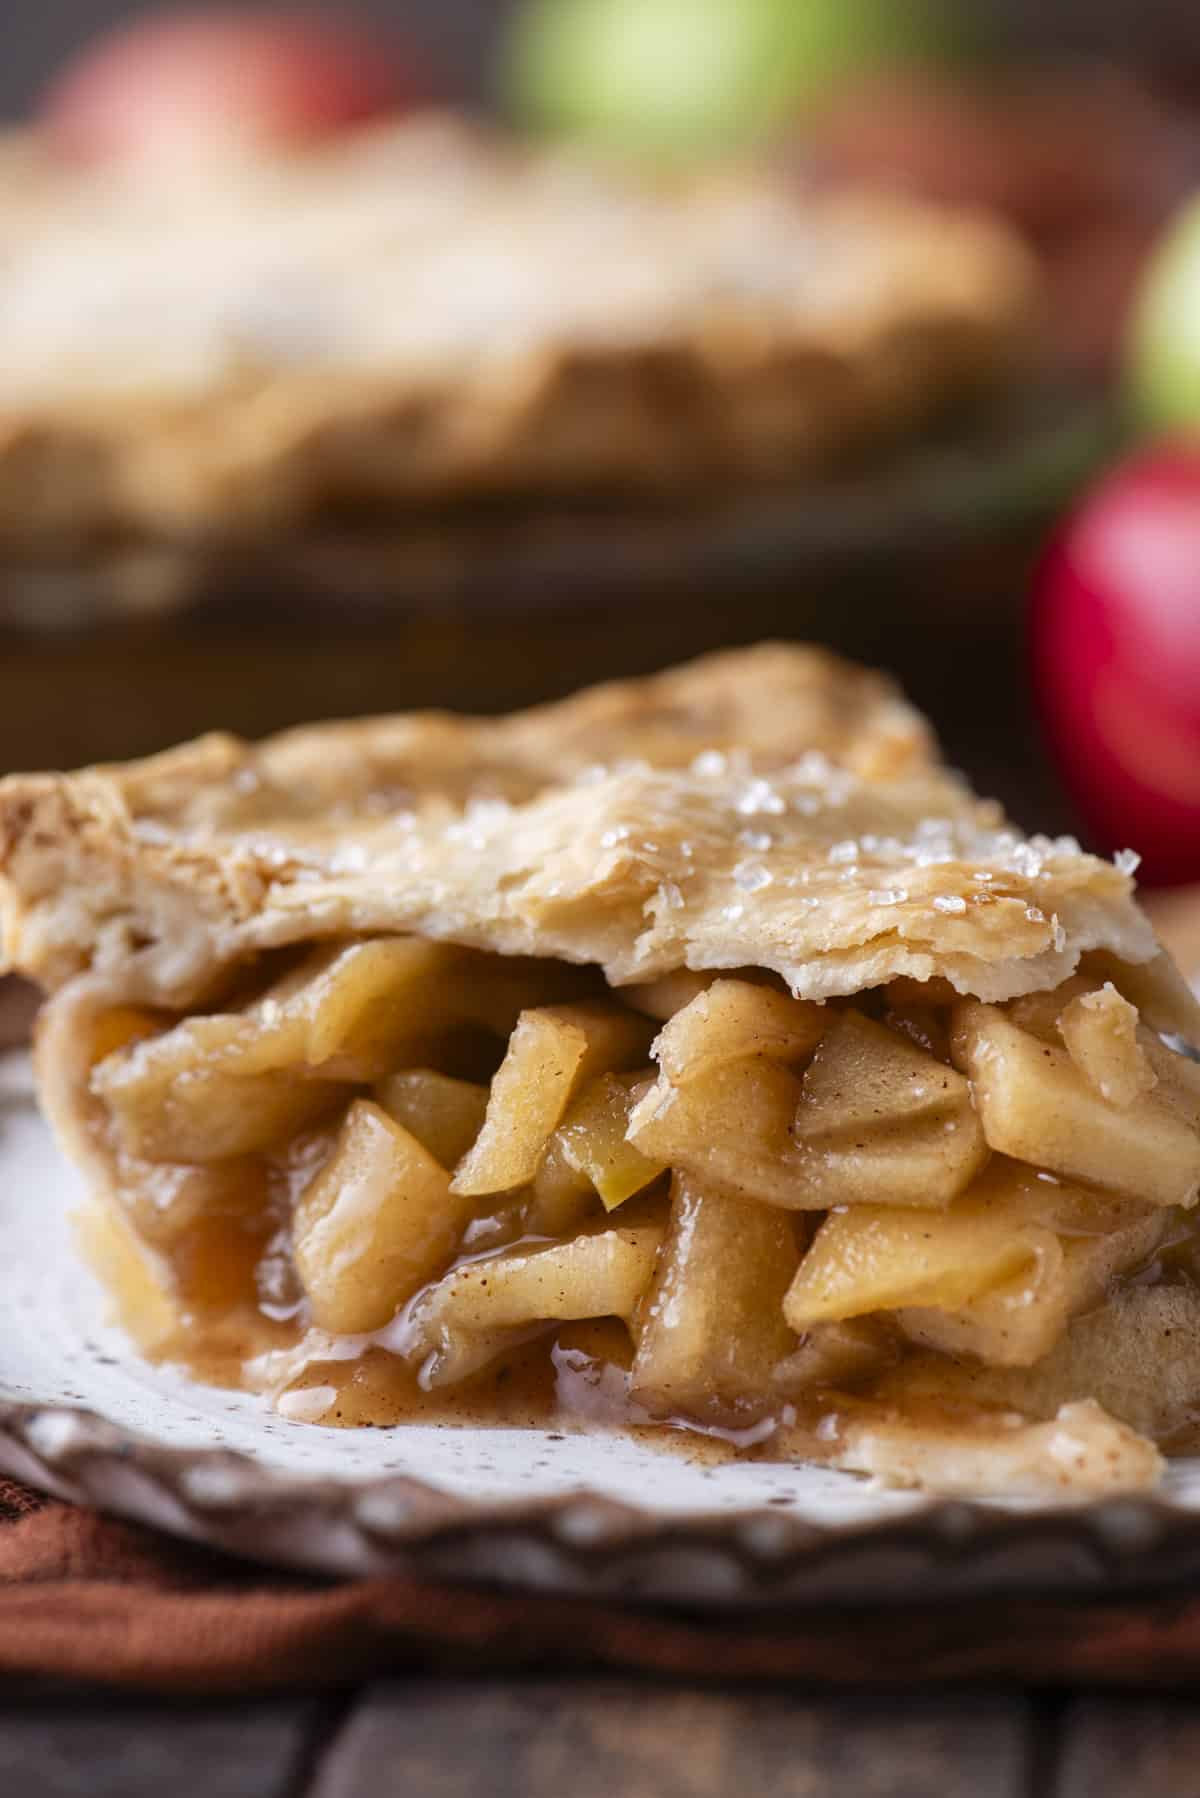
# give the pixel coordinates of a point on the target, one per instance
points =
(600, 1739)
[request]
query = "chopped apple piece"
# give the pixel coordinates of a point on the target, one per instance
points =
(600, 1274)
(375, 1225)
(662, 998)
(1163, 997)
(444, 1115)
(445, 1355)
(723, 1105)
(235, 1082)
(1037, 1106)
(560, 1198)
(1101, 1034)
(878, 1258)
(840, 1355)
(593, 1138)
(351, 1009)
(881, 1122)
(1041, 1013)
(1013, 1325)
(200, 1112)
(712, 1331)
(733, 1020)
(552, 1052)
(488, 1305)
(730, 1128)
(369, 1006)
(875, 1121)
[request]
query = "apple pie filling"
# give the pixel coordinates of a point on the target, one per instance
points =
(905, 1232)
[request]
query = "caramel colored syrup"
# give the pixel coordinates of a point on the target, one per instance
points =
(572, 1379)
(200, 1305)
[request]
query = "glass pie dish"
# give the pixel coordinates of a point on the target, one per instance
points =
(696, 1057)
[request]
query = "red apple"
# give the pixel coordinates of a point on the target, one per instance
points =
(184, 85)
(1116, 659)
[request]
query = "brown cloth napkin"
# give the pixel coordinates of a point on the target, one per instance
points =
(86, 1598)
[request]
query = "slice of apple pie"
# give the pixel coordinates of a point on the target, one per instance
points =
(696, 1055)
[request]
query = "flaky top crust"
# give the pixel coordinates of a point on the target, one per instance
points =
(771, 808)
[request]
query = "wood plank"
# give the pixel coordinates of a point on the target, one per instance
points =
(115, 1747)
(619, 1739)
(1115, 1745)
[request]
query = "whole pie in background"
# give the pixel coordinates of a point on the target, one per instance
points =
(427, 311)
(696, 1056)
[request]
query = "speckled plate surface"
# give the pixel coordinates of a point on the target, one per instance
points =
(82, 1417)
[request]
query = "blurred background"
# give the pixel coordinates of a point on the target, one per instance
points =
(460, 35)
(1032, 574)
(1160, 36)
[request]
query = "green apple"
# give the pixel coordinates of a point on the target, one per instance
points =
(1164, 363)
(679, 75)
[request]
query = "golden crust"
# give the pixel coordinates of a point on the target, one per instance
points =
(622, 828)
(423, 311)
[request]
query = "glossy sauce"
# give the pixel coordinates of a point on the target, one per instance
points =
(573, 1378)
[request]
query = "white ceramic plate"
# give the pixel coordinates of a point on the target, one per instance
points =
(82, 1417)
